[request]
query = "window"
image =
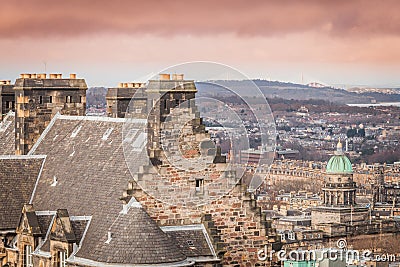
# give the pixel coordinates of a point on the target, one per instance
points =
(80, 99)
(50, 99)
(68, 99)
(27, 256)
(283, 236)
(61, 259)
(291, 235)
(199, 185)
(40, 99)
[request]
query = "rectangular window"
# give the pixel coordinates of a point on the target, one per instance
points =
(68, 99)
(199, 185)
(80, 99)
(40, 99)
(50, 99)
(62, 257)
(27, 256)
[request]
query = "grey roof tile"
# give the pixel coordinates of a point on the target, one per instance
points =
(18, 175)
(191, 242)
(7, 135)
(87, 175)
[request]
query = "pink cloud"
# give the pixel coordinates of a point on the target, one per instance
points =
(46, 18)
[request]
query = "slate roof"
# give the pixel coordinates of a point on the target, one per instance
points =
(18, 175)
(85, 172)
(44, 222)
(7, 135)
(193, 240)
(79, 227)
(135, 236)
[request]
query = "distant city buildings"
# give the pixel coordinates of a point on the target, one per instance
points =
(82, 190)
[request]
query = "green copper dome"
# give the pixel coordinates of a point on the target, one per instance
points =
(339, 163)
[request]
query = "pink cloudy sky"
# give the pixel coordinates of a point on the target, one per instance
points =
(334, 42)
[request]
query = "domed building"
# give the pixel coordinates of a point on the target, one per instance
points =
(339, 205)
(339, 188)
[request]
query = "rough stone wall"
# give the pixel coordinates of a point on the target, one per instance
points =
(11, 258)
(177, 136)
(36, 107)
(41, 261)
(118, 100)
(234, 223)
(7, 100)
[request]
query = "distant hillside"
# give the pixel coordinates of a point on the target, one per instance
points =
(276, 89)
(96, 97)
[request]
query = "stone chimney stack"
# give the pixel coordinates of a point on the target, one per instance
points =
(38, 99)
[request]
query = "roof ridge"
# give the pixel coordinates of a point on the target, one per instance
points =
(10, 113)
(23, 156)
(101, 118)
(43, 135)
(37, 180)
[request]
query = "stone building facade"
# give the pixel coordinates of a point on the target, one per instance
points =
(38, 98)
(90, 201)
(79, 215)
(339, 194)
(118, 98)
(7, 98)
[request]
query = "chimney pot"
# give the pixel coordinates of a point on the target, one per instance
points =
(59, 76)
(165, 76)
(53, 76)
(179, 77)
(72, 76)
(120, 85)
